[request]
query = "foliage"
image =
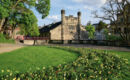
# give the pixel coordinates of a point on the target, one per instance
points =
(3, 12)
(3, 39)
(91, 31)
(101, 25)
(43, 8)
(91, 65)
(111, 37)
(11, 12)
(29, 24)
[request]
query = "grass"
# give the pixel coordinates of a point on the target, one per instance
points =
(7, 41)
(123, 54)
(32, 58)
(37, 57)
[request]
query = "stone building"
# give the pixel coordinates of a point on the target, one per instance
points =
(68, 29)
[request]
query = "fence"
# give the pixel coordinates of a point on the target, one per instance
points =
(36, 38)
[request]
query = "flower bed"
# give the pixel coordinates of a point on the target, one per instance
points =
(91, 65)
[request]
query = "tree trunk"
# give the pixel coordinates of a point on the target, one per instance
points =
(34, 42)
(1, 24)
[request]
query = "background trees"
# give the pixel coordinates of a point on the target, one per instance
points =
(101, 25)
(114, 9)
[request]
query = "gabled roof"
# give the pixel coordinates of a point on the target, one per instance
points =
(49, 27)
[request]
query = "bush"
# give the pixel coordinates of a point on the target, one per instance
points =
(91, 65)
(3, 39)
(113, 38)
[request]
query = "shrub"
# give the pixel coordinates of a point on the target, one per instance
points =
(4, 39)
(91, 65)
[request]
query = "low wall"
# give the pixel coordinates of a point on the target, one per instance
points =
(37, 42)
(93, 42)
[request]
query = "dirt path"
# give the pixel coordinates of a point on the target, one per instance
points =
(9, 47)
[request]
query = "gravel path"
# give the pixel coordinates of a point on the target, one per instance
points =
(9, 47)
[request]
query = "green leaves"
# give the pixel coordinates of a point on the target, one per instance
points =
(91, 31)
(18, 13)
(3, 12)
(29, 24)
(43, 7)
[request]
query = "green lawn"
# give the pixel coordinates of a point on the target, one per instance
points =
(30, 58)
(122, 54)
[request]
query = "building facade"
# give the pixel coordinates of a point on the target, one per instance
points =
(69, 28)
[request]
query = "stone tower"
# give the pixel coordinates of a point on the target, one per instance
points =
(62, 24)
(79, 24)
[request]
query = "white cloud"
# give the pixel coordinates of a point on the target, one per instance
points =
(53, 17)
(92, 3)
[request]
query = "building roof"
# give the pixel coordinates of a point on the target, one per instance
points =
(49, 27)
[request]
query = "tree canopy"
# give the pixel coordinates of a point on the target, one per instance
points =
(28, 24)
(101, 25)
(17, 13)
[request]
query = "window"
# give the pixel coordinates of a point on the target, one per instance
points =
(71, 28)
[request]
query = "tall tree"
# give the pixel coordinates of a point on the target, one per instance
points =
(114, 9)
(29, 25)
(15, 9)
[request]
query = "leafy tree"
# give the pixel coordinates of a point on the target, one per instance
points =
(91, 31)
(15, 9)
(101, 25)
(29, 24)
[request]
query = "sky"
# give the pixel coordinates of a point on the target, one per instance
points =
(71, 7)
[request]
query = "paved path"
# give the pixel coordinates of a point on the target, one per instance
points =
(9, 47)
(97, 47)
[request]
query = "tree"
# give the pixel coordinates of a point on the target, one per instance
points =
(29, 25)
(15, 9)
(91, 31)
(101, 25)
(112, 10)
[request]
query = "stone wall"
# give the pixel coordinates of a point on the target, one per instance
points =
(56, 33)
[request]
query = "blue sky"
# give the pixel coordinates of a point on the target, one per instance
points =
(71, 7)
